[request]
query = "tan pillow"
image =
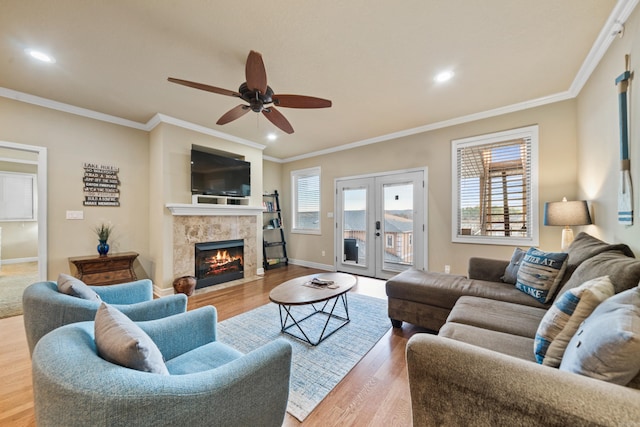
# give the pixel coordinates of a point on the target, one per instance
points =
(119, 340)
(76, 288)
(563, 319)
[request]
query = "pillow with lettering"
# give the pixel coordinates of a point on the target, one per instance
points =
(540, 273)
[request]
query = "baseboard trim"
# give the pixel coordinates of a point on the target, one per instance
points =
(19, 260)
(319, 266)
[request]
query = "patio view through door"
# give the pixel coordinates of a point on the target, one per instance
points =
(380, 223)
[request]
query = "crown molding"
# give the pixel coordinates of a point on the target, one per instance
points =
(614, 27)
(611, 30)
(162, 118)
(563, 96)
(68, 108)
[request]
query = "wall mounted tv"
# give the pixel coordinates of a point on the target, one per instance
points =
(218, 175)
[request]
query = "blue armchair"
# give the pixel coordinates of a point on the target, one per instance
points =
(210, 383)
(46, 309)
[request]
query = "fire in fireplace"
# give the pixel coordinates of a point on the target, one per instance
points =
(219, 262)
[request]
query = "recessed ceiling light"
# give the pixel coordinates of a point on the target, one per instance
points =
(40, 56)
(444, 76)
(272, 137)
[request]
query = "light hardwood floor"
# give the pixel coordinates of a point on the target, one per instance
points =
(374, 393)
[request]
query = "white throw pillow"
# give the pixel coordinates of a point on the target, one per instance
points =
(607, 344)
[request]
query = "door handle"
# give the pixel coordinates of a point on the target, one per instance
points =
(377, 228)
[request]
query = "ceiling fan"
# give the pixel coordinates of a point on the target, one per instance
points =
(259, 95)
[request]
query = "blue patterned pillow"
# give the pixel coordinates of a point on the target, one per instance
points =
(607, 344)
(540, 273)
(563, 319)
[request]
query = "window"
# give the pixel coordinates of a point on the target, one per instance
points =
(17, 197)
(496, 188)
(306, 201)
(389, 240)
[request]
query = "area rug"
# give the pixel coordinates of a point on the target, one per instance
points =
(11, 288)
(315, 370)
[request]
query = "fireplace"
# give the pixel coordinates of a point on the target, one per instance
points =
(218, 262)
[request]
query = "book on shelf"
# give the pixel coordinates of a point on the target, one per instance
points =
(268, 206)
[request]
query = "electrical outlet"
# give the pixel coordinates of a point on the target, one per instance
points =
(323, 253)
(447, 269)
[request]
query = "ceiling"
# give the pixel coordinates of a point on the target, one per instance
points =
(375, 60)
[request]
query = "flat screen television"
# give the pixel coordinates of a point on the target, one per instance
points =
(217, 175)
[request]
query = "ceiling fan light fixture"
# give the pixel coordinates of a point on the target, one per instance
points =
(443, 76)
(272, 136)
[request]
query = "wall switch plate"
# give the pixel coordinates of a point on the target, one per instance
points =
(75, 214)
(329, 214)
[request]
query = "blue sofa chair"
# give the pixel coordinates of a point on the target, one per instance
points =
(46, 309)
(210, 383)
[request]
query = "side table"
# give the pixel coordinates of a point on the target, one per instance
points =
(105, 270)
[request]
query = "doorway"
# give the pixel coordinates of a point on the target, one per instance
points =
(13, 153)
(380, 223)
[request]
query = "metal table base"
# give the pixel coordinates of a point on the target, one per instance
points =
(287, 321)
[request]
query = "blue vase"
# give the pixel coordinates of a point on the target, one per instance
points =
(103, 248)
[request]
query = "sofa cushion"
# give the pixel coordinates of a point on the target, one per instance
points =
(585, 246)
(624, 271)
(607, 344)
(511, 272)
(501, 342)
(119, 340)
(203, 358)
(500, 316)
(75, 287)
(540, 273)
(562, 320)
(443, 290)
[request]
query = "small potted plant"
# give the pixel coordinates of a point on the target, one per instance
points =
(103, 231)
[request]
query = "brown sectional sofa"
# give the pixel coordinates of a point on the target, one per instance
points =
(480, 369)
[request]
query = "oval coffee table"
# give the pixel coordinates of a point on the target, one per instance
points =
(301, 291)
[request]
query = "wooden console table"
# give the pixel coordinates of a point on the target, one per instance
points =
(105, 270)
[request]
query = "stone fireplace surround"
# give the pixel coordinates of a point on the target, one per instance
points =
(199, 223)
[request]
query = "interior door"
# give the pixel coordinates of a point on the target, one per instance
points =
(380, 224)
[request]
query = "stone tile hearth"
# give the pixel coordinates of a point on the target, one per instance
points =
(189, 230)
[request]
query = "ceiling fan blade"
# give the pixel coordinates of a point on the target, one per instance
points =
(234, 113)
(278, 119)
(255, 72)
(202, 86)
(300, 101)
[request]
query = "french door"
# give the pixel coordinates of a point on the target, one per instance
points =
(380, 223)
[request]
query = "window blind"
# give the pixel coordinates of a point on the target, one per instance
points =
(17, 197)
(494, 188)
(306, 199)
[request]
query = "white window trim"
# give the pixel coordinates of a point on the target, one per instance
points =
(525, 132)
(294, 202)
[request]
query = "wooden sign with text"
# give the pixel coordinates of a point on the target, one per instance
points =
(101, 185)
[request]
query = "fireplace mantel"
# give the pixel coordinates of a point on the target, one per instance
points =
(206, 209)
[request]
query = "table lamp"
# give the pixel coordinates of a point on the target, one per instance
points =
(567, 214)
